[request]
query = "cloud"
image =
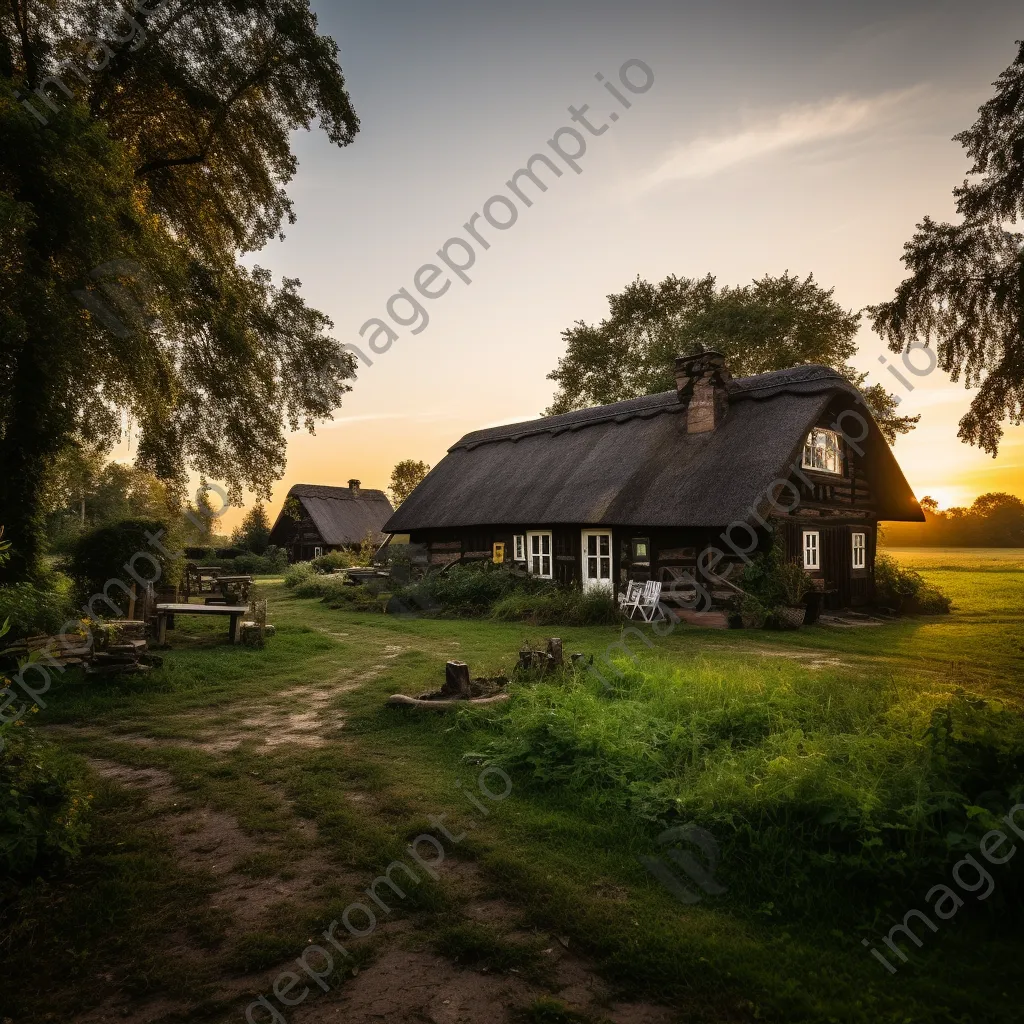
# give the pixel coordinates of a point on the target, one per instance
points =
(798, 126)
(419, 417)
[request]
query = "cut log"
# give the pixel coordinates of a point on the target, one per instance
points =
(554, 653)
(443, 705)
(456, 680)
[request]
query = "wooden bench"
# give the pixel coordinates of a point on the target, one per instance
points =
(169, 611)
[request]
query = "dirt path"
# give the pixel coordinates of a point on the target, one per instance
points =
(397, 975)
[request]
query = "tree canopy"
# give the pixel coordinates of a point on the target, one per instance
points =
(405, 478)
(142, 156)
(965, 292)
(771, 324)
(994, 520)
(254, 533)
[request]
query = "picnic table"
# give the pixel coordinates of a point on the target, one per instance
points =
(165, 612)
(232, 588)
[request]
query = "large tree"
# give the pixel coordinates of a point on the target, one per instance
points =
(771, 324)
(122, 220)
(254, 533)
(965, 292)
(405, 478)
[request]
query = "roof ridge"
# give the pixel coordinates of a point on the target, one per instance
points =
(645, 406)
(339, 493)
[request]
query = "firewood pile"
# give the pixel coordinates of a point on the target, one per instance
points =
(110, 648)
(122, 647)
(62, 650)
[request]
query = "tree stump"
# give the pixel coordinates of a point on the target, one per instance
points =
(456, 680)
(555, 653)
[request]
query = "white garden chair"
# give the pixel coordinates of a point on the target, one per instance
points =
(628, 599)
(648, 603)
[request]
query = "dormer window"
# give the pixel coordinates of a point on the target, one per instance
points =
(822, 452)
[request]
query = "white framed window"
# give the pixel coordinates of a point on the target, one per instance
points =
(539, 547)
(318, 552)
(812, 549)
(823, 452)
(860, 550)
(519, 546)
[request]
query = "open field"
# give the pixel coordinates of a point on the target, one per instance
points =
(960, 559)
(245, 799)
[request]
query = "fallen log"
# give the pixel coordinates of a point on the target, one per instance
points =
(401, 700)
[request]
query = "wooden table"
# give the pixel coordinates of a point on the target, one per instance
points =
(168, 611)
(232, 586)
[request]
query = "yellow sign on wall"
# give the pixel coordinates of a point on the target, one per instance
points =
(499, 554)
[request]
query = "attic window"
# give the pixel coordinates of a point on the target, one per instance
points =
(822, 451)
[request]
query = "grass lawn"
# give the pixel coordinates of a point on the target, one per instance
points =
(244, 799)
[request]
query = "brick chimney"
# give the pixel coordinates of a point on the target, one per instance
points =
(353, 486)
(701, 382)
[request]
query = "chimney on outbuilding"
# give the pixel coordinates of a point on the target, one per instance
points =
(353, 486)
(702, 385)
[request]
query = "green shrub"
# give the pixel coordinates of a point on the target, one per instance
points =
(905, 590)
(774, 580)
(108, 553)
(298, 573)
(43, 806)
(368, 598)
(43, 606)
(753, 612)
(272, 562)
(464, 590)
(333, 560)
(811, 782)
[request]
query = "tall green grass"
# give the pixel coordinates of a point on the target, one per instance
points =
(812, 782)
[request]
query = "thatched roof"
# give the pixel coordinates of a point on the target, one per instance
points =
(634, 464)
(341, 516)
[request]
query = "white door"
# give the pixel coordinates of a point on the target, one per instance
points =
(597, 560)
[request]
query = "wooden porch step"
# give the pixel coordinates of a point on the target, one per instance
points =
(708, 620)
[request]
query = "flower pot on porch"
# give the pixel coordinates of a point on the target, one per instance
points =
(790, 616)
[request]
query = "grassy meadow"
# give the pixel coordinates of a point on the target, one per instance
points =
(841, 772)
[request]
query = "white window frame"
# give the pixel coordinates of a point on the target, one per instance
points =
(860, 550)
(541, 556)
(519, 547)
(318, 552)
(812, 552)
(823, 452)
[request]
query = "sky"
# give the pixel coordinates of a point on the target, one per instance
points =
(761, 137)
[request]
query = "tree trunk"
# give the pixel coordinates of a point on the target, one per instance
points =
(555, 653)
(456, 680)
(37, 422)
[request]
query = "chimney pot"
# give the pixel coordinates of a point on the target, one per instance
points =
(701, 384)
(353, 486)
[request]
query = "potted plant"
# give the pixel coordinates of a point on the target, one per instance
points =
(778, 587)
(794, 584)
